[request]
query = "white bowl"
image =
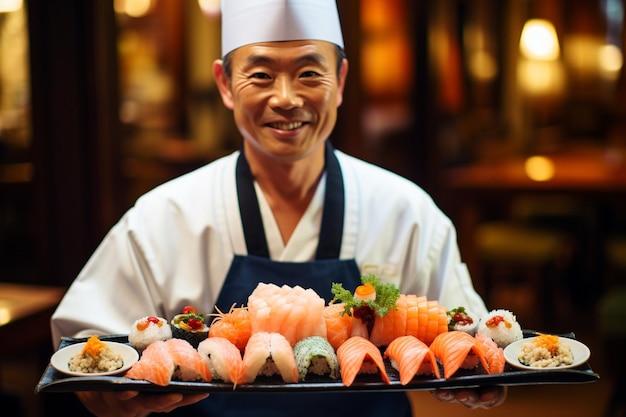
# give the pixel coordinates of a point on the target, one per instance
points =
(580, 352)
(60, 360)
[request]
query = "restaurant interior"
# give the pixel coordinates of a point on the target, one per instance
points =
(510, 113)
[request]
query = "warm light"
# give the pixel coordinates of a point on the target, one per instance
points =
(7, 6)
(539, 168)
(133, 8)
(539, 40)
(540, 78)
(483, 66)
(5, 316)
(210, 7)
(611, 60)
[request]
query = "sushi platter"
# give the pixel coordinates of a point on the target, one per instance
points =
(54, 380)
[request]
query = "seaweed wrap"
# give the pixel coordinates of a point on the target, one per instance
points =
(190, 326)
(315, 355)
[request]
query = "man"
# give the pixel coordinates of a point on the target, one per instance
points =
(287, 209)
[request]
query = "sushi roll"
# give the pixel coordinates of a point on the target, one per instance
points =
(463, 320)
(190, 326)
(501, 326)
(147, 330)
(315, 355)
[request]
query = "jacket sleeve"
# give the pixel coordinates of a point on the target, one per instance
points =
(451, 274)
(112, 288)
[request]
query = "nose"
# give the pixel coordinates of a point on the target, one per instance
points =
(285, 95)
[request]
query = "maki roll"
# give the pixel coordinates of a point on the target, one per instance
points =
(147, 330)
(501, 326)
(463, 320)
(190, 326)
(315, 355)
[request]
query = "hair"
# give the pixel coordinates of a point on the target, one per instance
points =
(226, 61)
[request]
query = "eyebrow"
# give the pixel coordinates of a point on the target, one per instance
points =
(312, 58)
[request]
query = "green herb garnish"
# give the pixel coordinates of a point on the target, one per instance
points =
(386, 296)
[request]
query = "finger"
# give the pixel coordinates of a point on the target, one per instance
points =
(493, 396)
(467, 398)
(126, 395)
(444, 395)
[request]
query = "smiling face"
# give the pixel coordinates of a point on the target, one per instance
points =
(284, 95)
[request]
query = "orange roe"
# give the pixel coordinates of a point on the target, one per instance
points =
(143, 324)
(495, 320)
(549, 342)
(94, 346)
(365, 292)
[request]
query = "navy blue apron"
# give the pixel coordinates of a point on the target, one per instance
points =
(247, 271)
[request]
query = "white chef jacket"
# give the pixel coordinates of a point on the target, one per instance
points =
(174, 247)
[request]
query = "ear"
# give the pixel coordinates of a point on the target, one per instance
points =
(343, 73)
(223, 83)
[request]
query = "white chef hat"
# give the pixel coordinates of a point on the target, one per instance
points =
(253, 21)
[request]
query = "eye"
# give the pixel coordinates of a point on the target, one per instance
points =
(260, 75)
(308, 74)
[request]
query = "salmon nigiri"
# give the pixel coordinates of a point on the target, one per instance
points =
(223, 358)
(494, 354)
(456, 349)
(356, 355)
(268, 354)
(156, 365)
(189, 363)
(410, 356)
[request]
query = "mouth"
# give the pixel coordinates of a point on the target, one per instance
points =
(286, 126)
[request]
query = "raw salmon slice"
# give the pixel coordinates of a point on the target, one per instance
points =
(410, 356)
(354, 353)
(189, 365)
(268, 354)
(294, 312)
(338, 325)
(155, 365)
(223, 358)
(493, 353)
(453, 349)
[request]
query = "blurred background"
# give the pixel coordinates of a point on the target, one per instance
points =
(511, 113)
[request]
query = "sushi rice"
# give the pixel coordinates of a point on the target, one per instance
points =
(501, 326)
(147, 330)
(95, 357)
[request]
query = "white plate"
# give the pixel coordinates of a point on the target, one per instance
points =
(580, 352)
(60, 360)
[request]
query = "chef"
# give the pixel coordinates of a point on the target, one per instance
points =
(287, 208)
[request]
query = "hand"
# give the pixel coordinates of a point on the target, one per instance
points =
(483, 397)
(134, 404)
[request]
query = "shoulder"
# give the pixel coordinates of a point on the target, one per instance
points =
(194, 184)
(381, 186)
(193, 195)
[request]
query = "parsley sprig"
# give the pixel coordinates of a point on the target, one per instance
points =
(386, 296)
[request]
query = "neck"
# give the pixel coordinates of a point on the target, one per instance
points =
(290, 179)
(289, 186)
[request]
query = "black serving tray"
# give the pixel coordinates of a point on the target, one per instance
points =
(55, 381)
